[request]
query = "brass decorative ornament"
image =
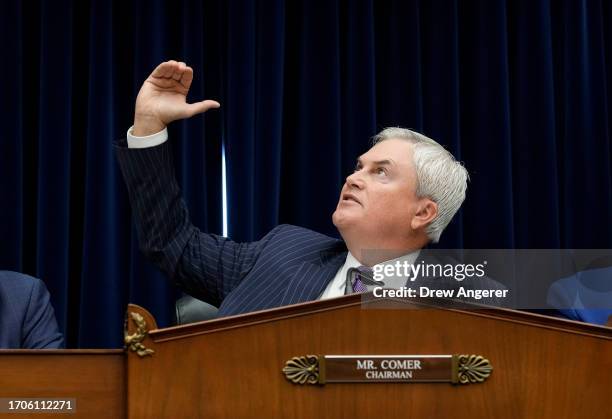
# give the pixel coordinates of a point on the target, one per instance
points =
(302, 369)
(134, 341)
(472, 369)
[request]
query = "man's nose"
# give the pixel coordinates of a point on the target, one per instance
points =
(354, 180)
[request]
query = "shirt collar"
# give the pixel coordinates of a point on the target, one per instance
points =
(409, 258)
(352, 262)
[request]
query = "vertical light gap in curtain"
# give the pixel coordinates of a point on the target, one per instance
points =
(224, 189)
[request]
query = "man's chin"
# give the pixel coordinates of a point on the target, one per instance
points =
(343, 218)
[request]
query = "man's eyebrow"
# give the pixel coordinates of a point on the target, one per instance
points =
(385, 162)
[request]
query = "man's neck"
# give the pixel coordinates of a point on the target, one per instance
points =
(383, 258)
(370, 256)
(369, 249)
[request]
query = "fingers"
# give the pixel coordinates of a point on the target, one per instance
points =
(187, 78)
(200, 107)
(164, 70)
(160, 70)
(168, 69)
(171, 70)
(178, 71)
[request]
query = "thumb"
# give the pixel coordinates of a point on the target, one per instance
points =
(200, 107)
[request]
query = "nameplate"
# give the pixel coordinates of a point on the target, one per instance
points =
(323, 369)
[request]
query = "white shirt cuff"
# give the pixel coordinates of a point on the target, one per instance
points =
(147, 141)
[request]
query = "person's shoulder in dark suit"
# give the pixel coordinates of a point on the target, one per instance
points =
(27, 319)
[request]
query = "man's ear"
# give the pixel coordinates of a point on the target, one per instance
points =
(426, 212)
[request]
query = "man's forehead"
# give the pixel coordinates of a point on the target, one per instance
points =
(393, 149)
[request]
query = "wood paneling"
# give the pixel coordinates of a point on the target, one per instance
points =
(96, 378)
(231, 368)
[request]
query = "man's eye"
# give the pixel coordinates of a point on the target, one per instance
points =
(381, 171)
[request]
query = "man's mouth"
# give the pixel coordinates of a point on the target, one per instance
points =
(349, 197)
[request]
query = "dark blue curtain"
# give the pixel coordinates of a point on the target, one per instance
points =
(518, 90)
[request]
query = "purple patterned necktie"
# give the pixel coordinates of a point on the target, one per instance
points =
(358, 285)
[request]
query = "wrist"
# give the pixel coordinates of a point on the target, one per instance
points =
(145, 125)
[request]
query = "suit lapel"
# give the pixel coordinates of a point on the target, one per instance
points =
(311, 278)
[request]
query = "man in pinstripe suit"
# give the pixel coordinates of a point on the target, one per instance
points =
(402, 194)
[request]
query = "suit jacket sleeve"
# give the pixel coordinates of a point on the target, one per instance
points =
(40, 330)
(204, 265)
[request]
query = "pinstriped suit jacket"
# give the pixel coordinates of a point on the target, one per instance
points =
(289, 265)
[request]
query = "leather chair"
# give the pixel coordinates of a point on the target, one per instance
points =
(192, 310)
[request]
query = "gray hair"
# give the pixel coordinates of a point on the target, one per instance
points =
(440, 177)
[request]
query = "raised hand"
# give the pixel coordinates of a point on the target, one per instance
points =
(163, 99)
